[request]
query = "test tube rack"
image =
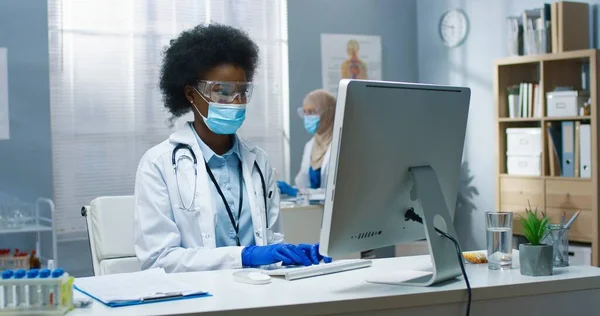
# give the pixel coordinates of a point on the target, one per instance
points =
(36, 296)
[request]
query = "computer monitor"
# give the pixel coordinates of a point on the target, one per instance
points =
(395, 147)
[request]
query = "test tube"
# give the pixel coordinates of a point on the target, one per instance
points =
(45, 289)
(7, 290)
(33, 289)
(20, 298)
(56, 287)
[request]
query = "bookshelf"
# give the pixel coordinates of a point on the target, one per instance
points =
(550, 191)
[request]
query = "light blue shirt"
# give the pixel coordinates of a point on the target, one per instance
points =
(226, 170)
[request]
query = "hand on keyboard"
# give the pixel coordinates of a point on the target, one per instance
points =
(288, 254)
(312, 252)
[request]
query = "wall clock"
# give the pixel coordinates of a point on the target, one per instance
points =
(454, 27)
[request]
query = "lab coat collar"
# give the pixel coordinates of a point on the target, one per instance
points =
(187, 135)
(208, 153)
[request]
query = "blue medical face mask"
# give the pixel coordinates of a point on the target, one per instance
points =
(224, 119)
(311, 123)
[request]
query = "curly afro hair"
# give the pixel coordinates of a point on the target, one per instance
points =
(197, 51)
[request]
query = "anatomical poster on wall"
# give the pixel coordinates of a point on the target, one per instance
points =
(4, 128)
(345, 56)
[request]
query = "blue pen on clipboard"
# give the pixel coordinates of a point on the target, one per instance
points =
(161, 296)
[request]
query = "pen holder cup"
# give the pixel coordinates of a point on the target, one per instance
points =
(558, 238)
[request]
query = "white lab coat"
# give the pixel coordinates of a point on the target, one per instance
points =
(179, 240)
(302, 179)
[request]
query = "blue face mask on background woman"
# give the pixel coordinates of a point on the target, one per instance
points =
(224, 119)
(311, 123)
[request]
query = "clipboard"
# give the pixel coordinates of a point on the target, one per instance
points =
(156, 298)
(143, 287)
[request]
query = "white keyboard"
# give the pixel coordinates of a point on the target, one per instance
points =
(300, 272)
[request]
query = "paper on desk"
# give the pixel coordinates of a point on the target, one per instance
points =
(317, 197)
(132, 287)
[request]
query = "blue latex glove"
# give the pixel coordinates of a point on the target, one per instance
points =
(253, 256)
(312, 251)
(287, 189)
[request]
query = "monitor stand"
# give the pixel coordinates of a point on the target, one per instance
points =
(444, 260)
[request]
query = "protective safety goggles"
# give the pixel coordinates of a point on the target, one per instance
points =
(304, 112)
(225, 92)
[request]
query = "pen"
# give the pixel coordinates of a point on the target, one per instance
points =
(570, 222)
(82, 302)
(161, 296)
(270, 194)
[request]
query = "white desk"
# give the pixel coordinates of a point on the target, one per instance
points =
(571, 291)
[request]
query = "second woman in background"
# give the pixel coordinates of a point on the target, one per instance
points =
(318, 111)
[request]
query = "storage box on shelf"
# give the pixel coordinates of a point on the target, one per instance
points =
(523, 151)
(565, 103)
(530, 171)
(524, 165)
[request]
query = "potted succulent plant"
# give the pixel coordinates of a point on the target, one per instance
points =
(535, 258)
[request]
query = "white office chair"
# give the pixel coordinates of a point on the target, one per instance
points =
(110, 229)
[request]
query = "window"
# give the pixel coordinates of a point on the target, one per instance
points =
(106, 108)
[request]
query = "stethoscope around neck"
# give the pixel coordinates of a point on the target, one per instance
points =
(175, 162)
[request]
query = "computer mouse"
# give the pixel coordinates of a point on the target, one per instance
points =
(251, 277)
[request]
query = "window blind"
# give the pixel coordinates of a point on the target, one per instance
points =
(106, 107)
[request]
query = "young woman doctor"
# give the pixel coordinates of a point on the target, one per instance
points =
(204, 198)
(318, 112)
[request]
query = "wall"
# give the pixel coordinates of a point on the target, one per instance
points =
(393, 20)
(471, 64)
(25, 159)
(26, 168)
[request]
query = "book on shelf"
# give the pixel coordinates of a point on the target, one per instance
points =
(555, 27)
(525, 100)
(569, 153)
(577, 149)
(585, 150)
(515, 36)
(553, 157)
(537, 30)
(555, 149)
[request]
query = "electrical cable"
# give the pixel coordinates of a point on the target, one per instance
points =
(412, 216)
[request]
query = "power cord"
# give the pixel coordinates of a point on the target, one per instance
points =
(411, 215)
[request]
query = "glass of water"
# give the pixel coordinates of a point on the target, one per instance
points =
(499, 235)
(303, 197)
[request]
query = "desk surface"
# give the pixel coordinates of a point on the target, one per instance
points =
(323, 295)
(296, 207)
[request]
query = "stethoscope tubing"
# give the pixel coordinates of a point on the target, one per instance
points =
(175, 163)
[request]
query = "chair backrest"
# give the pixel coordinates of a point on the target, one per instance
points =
(110, 230)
